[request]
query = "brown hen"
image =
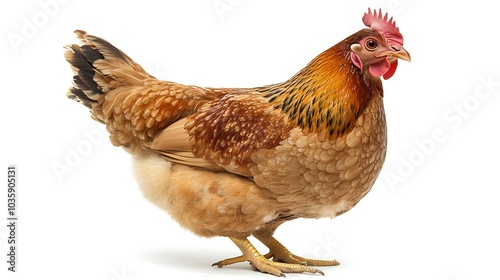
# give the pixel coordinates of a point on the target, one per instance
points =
(240, 162)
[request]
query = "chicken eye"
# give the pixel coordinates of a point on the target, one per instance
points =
(371, 44)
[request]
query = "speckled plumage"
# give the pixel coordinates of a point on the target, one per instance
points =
(240, 162)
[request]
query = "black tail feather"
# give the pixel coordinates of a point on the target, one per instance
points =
(90, 54)
(91, 79)
(78, 95)
(83, 60)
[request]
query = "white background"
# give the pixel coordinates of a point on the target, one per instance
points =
(433, 213)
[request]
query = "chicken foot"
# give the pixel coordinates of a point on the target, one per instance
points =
(262, 263)
(281, 254)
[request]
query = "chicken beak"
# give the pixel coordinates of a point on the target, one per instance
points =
(397, 54)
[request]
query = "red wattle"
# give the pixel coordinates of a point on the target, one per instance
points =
(391, 70)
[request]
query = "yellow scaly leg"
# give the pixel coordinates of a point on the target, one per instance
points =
(262, 263)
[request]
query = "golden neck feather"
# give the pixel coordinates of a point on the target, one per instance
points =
(327, 96)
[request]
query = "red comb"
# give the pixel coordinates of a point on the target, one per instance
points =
(386, 27)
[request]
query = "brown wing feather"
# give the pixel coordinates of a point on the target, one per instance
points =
(227, 131)
(224, 133)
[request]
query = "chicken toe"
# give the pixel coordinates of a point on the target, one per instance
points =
(281, 254)
(230, 261)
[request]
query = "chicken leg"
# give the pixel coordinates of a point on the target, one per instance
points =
(262, 263)
(283, 259)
